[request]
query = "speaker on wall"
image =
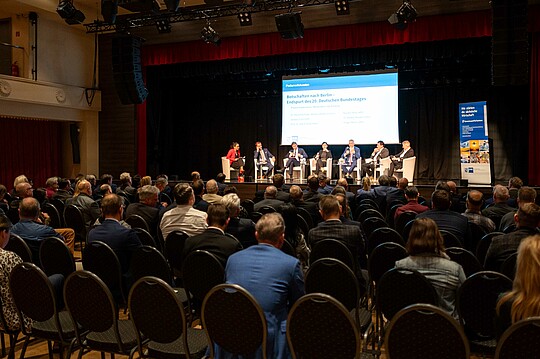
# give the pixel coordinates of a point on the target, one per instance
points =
(290, 25)
(127, 69)
(509, 42)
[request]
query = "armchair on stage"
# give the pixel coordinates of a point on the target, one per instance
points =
(229, 172)
(407, 170)
(357, 170)
(327, 168)
(382, 168)
(262, 168)
(300, 170)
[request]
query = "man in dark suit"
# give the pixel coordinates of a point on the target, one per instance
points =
(213, 239)
(220, 180)
(263, 157)
(378, 152)
(397, 160)
(397, 194)
(311, 194)
(146, 208)
(83, 199)
(380, 192)
(501, 207)
(295, 157)
(269, 199)
(297, 199)
(324, 187)
(64, 190)
(525, 195)
(198, 191)
(348, 158)
(279, 182)
(242, 228)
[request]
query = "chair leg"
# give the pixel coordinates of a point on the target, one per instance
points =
(3, 343)
(23, 351)
(12, 344)
(102, 355)
(50, 347)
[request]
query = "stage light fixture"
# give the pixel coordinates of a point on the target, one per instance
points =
(245, 18)
(163, 26)
(210, 36)
(290, 25)
(69, 13)
(172, 5)
(109, 10)
(342, 7)
(403, 16)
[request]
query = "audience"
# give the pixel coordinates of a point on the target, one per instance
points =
(500, 207)
(83, 199)
(220, 181)
(474, 202)
(311, 194)
(278, 180)
(269, 199)
(183, 217)
(525, 195)
(242, 229)
(51, 186)
(212, 195)
(397, 194)
(198, 191)
(411, 195)
(297, 199)
(366, 192)
(350, 196)
(324, 187)
(146, 208)
(64, 190)
(293, 235)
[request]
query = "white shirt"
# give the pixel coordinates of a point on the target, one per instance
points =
(183, 218)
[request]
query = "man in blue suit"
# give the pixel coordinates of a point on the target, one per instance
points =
(349, 157)
(263, 157)
(295, 156)
(272, 277)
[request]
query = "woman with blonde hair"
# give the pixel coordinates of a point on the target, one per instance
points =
(366, 191)
(524, 299)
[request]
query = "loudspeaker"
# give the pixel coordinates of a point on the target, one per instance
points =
(290, 25)
(509, 45)
(74, 137)
(127, 69)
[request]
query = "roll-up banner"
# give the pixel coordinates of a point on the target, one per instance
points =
(474, 143)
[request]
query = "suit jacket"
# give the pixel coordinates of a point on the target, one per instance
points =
(379, 196)
(200, 204)
(282, 195)
(300, 152)
(231, 155)
(408, 154)
(243, 229)
(452, 222)
(384, 153)
(503, 246)
(267, 155)
(89, 208)
(310, 196)
(312, 209)
(274, 203)
(33, 234)
(395, 194)
(323, 155)
(149, 214)
(356, 155)
(214, 241)
(276, 281)
(497, 211)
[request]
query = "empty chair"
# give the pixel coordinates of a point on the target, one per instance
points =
(17, 245)
(145, 237)
(332, 248)
(402, 221)
(136, 221)
(367, 213)
(383, 235)
(160, 322)
(520, 340)
(74, 219)
(370, 202)
(466, 259)
(372, 223)
(288, 248)
(306, 216)
(425, 331)
(55, 257)
(383, 258)
(391, 213)
(60, 206)
(508, 268)
(174, 246)
(255, 216)
(234, 321)
(450, 239)
(407, 171)
(309, 334)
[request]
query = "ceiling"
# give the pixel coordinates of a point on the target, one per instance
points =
(263, 22)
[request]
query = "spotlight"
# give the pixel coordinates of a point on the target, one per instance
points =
(163, 26)
(69, 13)
(290, 25)
(109, 9)
(342, 7)
(210, 36)
(403, 16)
(245, 18)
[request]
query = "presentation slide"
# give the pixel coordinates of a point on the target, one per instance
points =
(362, 107)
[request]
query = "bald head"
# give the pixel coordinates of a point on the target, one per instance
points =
(24, 190)
(29, 208)
(270, 192)
(452, 185)
(403, 183)
(474, 200)
(211, 187)
(296, 193)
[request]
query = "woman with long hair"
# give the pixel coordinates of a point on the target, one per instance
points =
(524, 299)
(427, 256)
(235, 159)
(366, 191)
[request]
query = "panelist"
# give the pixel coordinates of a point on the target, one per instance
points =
(235, 159)
(321, 157)
(263, 157)
(378, 152)
(296, 155)
(349, 158)
(397, 160)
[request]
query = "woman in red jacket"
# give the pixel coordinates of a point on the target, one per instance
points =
(234, 157)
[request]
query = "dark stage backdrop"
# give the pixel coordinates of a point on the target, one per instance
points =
(195, 110)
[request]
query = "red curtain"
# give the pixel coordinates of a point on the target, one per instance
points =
(30, 147)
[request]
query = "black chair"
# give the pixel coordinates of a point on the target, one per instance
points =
(202, 271)
(383, 235)
(255, 216)
(60, 206)
(164, 197)
(54, 215)
(476, 301)
(306, 216)
(370, 202)
(509, 228)
(13, 335)
(372, 223)
(288, 248)
(248, 205)
(401, 223)
(160, 322)
(450, 239)
(508, 267)
(18, 246)
(477, 233)
(362, 207)
(332, 248)
(93, 310)
(391, 213)
(174, 246)
(55, 257)
(266, 209)
(302, 225)
(423, 331)
(35, 298)
(145, 237)
(234, 320)
(136, 221)
(466, 259)
(310, 336)
(383, 258)
(483, 245)
(74, 219)
(367, 213)
(520, 340)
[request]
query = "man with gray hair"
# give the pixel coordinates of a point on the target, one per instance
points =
(183, 217)
(274, 278)
(147, 207)
(212, 195)
(242, 228)
(125, 186)
(500, 206)
(269, 200)
(525, 195)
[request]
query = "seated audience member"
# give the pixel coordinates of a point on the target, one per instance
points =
(397, 194)
(457, 201)
(311, 194)
(145, 181)
(411, 194)
(348, 159)
(269, 199)
(263, 158)
(527, 219)
(500, 206)
(105, 190)
(33, 231)
(8, 261)
(295, 157)
(366, 192)
(279, 182)
(108, 179)
(397, 160)
(162, 182)
(293, 235)
(195, 176)
(474, 202)
(274, 278)
(378, 152)
(524, 300)
(345, 218)
(126, 186)
(514, 185)
(51, 186)
(297, 199)
(380, 192)
(93, 181)
(230, 189)
(525, 195)
(427, 256)
(220, 180)
(213, 239)
(324, 187)
(82, 198)
(64, 190)
(211, 195)
(321, 157)
(350, 196)
(22, 190)
(447, 220)
(198, 191)
(183, 217)
(242, 228)
(123, 241)
(146, 207)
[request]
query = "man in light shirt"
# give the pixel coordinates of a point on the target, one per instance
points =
(183, 217)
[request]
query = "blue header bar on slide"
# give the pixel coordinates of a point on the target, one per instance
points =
(321, 83)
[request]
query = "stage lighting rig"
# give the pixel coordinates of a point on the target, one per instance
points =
(403, 16)
(209, 35)
(69, 13)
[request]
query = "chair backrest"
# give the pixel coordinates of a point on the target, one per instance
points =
(408, 168)
(164, 197)
(450, 239)
(370, 202)
(157, 313)
(425, 331)
(391, 213)
(309, 334)
(55, 257)
(255, 216)
(508, 267)
(267, 209)
(372, 223)
(306, 216)
(174, 246)
(510, 228)
(60, 205)
(248, 205)
(383, 258)
(17, 245)
(202, 271)
(483, 245)
(383, 235)
(136, 221)
(234, 320)
(145, 237)
(288, 248)
(226, 167)
(74, 219)
(367, 213)
(466, 259)
(477, 232)
(401, 223)
(477, 299)
(362, 207)
(399, 288)
(332, 248)
(520, 340)
(148, 261)
(54, 215)
(302, 225)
